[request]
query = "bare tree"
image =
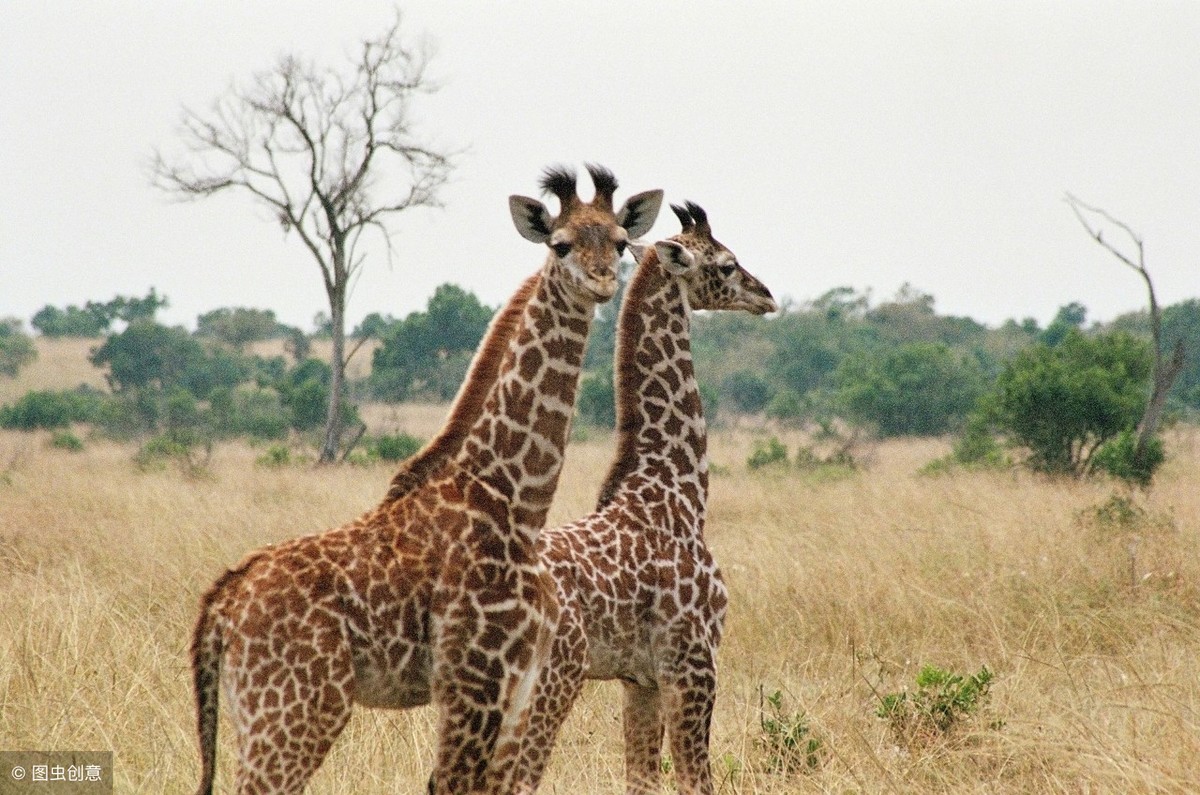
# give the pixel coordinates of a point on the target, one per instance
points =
(1165, 370)
(315, 145)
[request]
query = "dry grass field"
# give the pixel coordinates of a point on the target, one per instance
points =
(842, 589)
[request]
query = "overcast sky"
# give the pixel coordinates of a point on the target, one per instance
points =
(832, 143)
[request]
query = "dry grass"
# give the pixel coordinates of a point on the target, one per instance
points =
(841, 589)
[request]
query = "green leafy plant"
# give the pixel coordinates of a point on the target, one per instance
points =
(767, 452)
(65, 440)
(941, 702)
(394, 447)
(787, 740)
(1118, 458)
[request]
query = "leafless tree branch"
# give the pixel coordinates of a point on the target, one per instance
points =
(316, 146)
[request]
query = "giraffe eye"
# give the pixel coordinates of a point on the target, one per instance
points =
(561, 249)
(728, 268)
(621, 246)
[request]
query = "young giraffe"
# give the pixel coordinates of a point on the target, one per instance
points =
(437, 593)
(642, 599)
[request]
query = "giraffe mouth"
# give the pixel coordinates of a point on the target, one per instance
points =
(602, 289)
(760, 305)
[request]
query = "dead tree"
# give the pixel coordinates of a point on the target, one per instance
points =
(1165, 369)
(332, 153)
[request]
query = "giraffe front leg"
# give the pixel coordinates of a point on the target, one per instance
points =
(643, 739)
(558, 686)
(487, 662)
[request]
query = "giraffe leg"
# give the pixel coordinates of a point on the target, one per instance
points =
(559, 685)
(687, 712)
(643, 739)
(484, 690)
(288, 711)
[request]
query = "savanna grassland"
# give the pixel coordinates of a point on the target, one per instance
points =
(1082, 599)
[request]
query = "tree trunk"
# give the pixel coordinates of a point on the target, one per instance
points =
(337, 364)
(1164, 377)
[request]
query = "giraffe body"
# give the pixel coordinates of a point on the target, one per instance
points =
(642, 599)
(437, 594)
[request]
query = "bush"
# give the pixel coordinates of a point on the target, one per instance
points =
(1063, 403)
(48, 409)
(258, 413)
(1117, 458)
(767, 452)
(787, 740)
(65, 440)
(787, 406)
(941, 701)
(16, 350)
(394, 447)
(918, 388)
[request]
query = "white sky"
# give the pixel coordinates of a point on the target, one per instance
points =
(832, 143)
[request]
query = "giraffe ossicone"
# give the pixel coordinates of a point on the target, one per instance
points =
(436, 594)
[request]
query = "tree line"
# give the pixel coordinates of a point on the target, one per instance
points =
(893, 368)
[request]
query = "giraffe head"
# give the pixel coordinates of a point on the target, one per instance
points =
(588, 238)
(711, 272)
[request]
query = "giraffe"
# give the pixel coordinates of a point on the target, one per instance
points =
(641, 597)
(435, 595)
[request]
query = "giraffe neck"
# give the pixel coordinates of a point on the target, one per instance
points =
(661, 439)
(469, 402)
(516, 446)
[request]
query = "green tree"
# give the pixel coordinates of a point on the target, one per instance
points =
(147, 354)
(16, 349)
(1062, 403)
(238, 326)
(920, 388)
(96, 318)
(747, 391)
(428, 352)
(1069, 317)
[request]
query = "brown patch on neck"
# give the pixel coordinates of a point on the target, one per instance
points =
(630, 328)
(468, 403)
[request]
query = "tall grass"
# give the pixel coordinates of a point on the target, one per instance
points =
(1082, 599)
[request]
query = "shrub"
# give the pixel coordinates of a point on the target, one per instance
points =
(767, 452)
(941, 701)
(65, 440)
(787, 740)
(917, 388)
(787, 406)
(49, 409)
(394, 447)
(1118, 458)
(16, 349)
(1063, 403)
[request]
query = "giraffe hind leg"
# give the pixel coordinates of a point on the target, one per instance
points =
(287, 718)
(643, 739)
(687, 714)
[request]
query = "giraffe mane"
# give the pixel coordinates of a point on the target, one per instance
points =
(630, 327)
(468, 403)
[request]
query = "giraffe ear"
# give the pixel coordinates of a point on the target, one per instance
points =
(638, 249)
(638, 212)
(531, 217)
(674, 257)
